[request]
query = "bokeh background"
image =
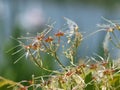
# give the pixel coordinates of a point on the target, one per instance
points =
(18, 17)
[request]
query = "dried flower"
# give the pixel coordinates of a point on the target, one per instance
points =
(69, 73)
(104, 63)
(35, 46)
(93, 66)
(23, 88)
(108, 71)
(82, 65)
(62, 79)
(59, 34)
(49, 39)
(30, 82)
(40, 37)
(78, 71)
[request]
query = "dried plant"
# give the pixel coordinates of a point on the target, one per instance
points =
(92, 74)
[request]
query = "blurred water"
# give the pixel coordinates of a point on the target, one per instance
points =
(85, 14)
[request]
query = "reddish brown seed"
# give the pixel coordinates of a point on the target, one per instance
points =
(23, 88)
(30, 82)
(93, 66)
(49, 39)
(108, 71)
(40, 37)
(78, 71)
(69, 73)
(59, 34)
(94, 78)
(82, 66)
(62, 79)
(35, 46)
(104, 64)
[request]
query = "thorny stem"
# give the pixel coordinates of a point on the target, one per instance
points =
(37, 63)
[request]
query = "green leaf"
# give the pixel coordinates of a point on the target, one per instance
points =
(89, 82)
(3, 83)
(6, 82)
(116, 82)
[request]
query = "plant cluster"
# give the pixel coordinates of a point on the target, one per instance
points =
(101, 73)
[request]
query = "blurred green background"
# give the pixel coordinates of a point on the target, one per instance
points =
(18, 17)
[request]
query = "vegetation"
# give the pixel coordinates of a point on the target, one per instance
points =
(92, 73)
